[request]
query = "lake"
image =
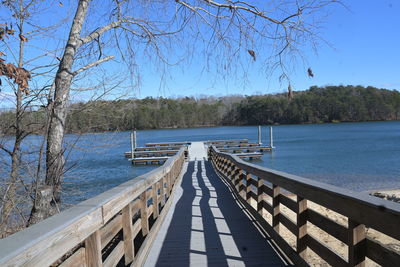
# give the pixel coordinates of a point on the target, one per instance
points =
(356, 156)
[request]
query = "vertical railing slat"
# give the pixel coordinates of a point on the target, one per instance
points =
(356, 243)
(260, 197)
(93, 250)
(275, 207)
(248, 188)
(128, 234)
(154, 190)
(301, 226)
(143, 212)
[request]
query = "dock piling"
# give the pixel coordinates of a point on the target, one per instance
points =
(271, 139)
(259, 135)
(133, 143)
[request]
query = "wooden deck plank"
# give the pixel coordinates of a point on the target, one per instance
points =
(206, 227)
(168, 152)
(249, 155)
(169, 144)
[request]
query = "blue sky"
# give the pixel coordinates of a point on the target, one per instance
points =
(364, 42)
(363, 49)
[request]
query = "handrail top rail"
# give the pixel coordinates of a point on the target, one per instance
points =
(89, 214)
(379, 214)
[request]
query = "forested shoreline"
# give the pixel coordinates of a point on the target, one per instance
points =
(315, 105)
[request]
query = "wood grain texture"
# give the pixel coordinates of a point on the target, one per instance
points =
(380, 254)
(109, 231)
(128, 234)
(301, 217)
(93, 250)
(115, 256)
(77, 259)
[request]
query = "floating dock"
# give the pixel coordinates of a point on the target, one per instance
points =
(151, 153)
(149, 160)
(156, 153)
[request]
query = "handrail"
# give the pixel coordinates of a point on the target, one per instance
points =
(249, 182)
(89, 232)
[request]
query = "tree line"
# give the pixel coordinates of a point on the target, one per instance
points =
(315, 105)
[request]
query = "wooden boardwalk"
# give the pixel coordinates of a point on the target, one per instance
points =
(207, 227)
(202, 212)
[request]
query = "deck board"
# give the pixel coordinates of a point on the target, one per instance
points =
(206, 227)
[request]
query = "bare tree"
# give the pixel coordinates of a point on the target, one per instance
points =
(16, 71)
(227, 28)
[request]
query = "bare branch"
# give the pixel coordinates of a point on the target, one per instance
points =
(88, 66)
(6, 150)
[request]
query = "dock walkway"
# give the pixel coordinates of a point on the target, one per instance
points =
(205, 226)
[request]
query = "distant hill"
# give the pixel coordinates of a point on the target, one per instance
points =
(316, 105)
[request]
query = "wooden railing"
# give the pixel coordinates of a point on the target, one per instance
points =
(116, 226)
(255, 185)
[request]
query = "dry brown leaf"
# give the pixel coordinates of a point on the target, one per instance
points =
(23, 38)
(252, 54)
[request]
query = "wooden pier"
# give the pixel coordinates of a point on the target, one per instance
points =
(213, 209)
(156, 153)
(151, 153)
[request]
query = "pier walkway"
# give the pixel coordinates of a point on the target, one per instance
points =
(205, 207)
(207, 227)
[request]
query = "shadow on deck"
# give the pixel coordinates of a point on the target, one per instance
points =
(206, 227)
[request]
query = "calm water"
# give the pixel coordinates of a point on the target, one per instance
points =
(357, 156)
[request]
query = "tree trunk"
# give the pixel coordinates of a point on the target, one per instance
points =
(9, 199)
(55, 152)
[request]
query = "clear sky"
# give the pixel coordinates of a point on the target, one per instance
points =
(364, 50)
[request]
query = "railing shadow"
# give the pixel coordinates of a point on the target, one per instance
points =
(209, 229)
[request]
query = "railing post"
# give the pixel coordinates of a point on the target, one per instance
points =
(93, 250)
(237, 179)
(223, 162)
(301, 226)
(128, 233)
(162, 191)
(143, 213)
(168, 182)
(227, 166)
(276, 190)
(155, 200)
(219, 163)
(231, 170)
(241, 186)
(356, 243)
(248, 188)
(260, 197)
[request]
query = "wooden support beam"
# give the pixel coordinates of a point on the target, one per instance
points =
(143, 212)
(154, 192)
(260, 199)
(127, 229)
(162, 191)
(275, 206)
(356, 243)
(237, 179)
(93, 250)
(248, 188)
(301, 214)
